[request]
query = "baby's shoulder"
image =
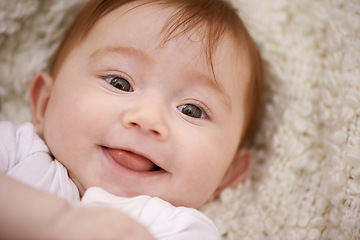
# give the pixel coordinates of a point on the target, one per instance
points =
(10, 131)
(17, 142)
(23, 135)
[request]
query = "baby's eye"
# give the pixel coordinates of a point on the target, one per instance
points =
(192, 111)
(119, 83)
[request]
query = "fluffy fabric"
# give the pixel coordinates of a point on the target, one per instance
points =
(305, 182)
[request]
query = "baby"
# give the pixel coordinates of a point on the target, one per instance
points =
(152, 100)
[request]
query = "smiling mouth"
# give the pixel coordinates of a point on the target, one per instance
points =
(131, 160)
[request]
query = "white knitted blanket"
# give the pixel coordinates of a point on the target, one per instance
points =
(305, 183)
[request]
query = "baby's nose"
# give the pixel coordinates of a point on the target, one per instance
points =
(147, 118)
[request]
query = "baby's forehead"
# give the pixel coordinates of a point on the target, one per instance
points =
(212, 37)
(216, 60)
(211, 18)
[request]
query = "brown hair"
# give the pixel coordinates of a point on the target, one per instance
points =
(216, 17)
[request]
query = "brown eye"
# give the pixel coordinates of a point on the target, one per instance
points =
(120, 83)
(191, 111)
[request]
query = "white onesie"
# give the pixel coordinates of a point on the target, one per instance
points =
(164, 221)
(25, 157)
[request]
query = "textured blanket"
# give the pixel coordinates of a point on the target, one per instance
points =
(305, 183)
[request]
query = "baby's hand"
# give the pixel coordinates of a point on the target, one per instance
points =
(96, 223)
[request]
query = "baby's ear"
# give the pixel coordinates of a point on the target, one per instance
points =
(238, 171)
(40, 90)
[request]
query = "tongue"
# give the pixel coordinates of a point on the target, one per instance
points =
(131, 160)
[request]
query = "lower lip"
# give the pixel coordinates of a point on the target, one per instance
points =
(115, 165)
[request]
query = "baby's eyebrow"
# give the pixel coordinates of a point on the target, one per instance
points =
(200, 77)
(131, 51)
(212, 83)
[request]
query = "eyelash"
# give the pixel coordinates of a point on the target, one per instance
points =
(205, 110)
(119, 76)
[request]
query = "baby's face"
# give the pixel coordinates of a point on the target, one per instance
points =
(136, 117)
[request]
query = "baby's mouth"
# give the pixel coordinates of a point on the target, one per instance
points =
(131, 160)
